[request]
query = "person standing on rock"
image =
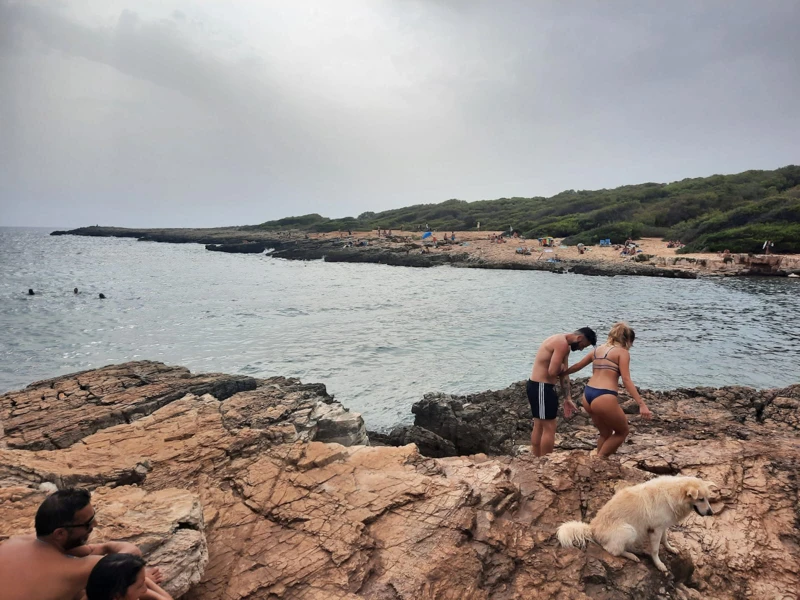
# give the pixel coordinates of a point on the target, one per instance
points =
(55, 564)
(610, 361)
(549, 366)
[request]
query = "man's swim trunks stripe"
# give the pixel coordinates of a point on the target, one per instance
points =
(543, 399)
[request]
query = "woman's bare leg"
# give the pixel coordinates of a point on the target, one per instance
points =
(612, 419)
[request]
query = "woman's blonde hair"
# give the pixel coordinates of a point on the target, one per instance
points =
(621, 335)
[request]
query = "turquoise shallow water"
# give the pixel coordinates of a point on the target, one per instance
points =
(378, 336)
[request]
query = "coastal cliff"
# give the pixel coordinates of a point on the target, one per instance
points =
(242, 488)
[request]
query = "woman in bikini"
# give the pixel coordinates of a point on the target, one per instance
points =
(610, 361)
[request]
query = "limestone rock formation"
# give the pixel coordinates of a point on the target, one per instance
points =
(58, 412)
(287, 516)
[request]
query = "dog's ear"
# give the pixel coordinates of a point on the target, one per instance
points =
(692, 493)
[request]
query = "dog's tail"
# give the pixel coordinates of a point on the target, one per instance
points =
(574, 533)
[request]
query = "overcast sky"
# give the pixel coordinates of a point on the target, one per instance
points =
(203, 113)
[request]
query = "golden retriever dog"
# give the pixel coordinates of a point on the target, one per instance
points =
(640, 514)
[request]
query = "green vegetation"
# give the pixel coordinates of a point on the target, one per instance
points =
(737, 212)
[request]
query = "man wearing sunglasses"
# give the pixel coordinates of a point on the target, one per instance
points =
(55, 563)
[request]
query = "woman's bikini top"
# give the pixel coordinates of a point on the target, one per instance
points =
(610, 367)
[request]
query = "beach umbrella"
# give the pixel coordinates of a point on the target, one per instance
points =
(426, 235)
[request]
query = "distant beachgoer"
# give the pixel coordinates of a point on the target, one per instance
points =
(102, 296)
(452, 236)
(549, 366)
(479, 225)
(600, 393)
(122, 577)
(57, 561)
(31, 292)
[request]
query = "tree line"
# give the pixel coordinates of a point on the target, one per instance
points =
(735, 212)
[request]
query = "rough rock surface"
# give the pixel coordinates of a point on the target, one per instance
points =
(287, 516)
(58, 412)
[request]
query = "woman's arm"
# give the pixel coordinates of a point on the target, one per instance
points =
(625, 373)
(581, 364)
(154, 591)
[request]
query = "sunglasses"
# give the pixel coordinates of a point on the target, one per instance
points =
(78, 525)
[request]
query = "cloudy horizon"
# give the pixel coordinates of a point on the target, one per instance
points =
(205, 113)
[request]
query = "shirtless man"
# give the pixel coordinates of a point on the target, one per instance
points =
(550, 365)
(55, 563)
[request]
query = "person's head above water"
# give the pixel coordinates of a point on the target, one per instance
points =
(65, 518)
(621, 335)
(117, 577)
(31, 292)
(582, 338)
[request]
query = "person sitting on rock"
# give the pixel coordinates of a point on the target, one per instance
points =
(122, 577)
(55, 563)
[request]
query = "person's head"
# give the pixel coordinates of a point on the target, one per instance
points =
(66, 517)
(583, 338)
(117, 577)
(621, 335)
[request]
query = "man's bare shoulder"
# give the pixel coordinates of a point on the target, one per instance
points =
(16, 541)
(554, 341)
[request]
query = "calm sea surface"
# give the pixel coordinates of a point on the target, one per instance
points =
(378, 336)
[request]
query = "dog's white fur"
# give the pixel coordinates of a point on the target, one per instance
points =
(641, 513)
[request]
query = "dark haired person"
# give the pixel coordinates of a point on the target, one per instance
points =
(55, 563)
(549, 366)
(122, 577)
(610, 361)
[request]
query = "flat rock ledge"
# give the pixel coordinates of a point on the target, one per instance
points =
(244, 488)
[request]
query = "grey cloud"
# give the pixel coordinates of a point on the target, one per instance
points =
(186, 118)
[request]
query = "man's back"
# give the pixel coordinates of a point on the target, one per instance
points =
(541, 364)
(33, 570)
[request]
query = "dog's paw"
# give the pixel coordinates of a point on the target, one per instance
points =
(661, 566)
(670, 548)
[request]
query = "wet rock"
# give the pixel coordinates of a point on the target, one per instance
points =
(245, 248)
(428, 443)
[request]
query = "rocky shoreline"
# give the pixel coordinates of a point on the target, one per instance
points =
(403, 250)
(295, 246)
(242, 488)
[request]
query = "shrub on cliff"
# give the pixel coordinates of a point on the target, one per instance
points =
(716, 212)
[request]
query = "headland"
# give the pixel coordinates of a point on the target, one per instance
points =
(470, 249)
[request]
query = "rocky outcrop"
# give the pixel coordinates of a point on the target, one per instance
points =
(245, 248)
(295, 245)
(288, 516)
(58, 412)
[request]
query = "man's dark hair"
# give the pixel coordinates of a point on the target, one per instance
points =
(589, 334)
(59, 509)
(112, 576)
